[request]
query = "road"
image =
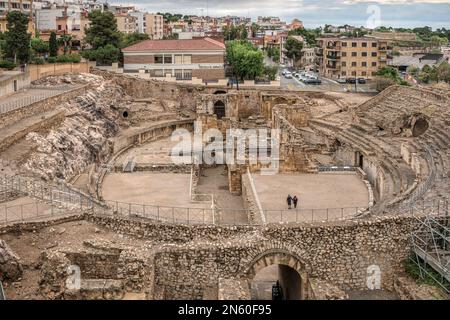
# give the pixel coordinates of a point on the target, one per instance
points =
(327, 85)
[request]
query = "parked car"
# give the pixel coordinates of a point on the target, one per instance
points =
(351, 80)
(361, 80)
(342, 80)
(313, 81)
(284, 72)
(288, 75)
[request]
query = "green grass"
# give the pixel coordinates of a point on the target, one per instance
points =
(412, 269)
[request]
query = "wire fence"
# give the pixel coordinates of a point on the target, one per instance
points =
(29, 211)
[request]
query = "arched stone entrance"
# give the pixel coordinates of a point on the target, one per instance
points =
(291, 271)
(219, 109)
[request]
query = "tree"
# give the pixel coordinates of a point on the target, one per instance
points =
(64, 41)
(17, 38)
(309, 35)
(53, 45)
(271, 72)
(102, 30)
(388, 76)
(437, 41)
(103, 37)
(104, 55)
(128, 39)
(39, 46)
(293, 49)
(255, 28)
(246, 60)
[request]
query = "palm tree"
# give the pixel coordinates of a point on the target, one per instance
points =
(64, 40)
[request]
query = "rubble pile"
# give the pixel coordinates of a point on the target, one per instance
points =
(70, 78)
(91, 119)
(10, 266)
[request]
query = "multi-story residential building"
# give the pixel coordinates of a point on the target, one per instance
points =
(352, 57)
(24, 6)
(126, 23)
(140, 20)
(121, 9)
(154, 26)
(182, 59)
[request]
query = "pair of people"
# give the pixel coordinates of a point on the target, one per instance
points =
(292, 200)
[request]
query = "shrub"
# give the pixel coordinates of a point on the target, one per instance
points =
(66, 58)
(6, 64)
(38, 60)
(51, 59)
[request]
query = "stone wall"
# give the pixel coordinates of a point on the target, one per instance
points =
(184, 266)
(39, 107)
(38, 71)
(45, 124)
(251, 201)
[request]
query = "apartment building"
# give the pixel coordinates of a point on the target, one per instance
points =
(352, 57)
(182, 59)
(126, 23)
(154, 26)
(25, 6)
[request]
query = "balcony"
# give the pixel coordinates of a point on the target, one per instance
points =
(333, 57)
(319, 52)
(334, 66)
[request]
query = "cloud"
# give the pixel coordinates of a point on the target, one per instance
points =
(397, 13)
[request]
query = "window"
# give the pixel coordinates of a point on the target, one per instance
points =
(344, 44)
(187, 74)
(354, 44)
(353, 73)
(343, 73)
(344, 64)
(364, 64)
(354, 64)
(374, 64)
(364, 54)
(374, 54)
(178, 59)
(364, 73)
(2, 5)
(168, 59)
(364, 44)
(374, 73)
(15, 5)
(159, 58)
(59, 27)
(178, 74)
(354, 54)
(344, 54)
(374, 44)
(187, 59)
(157, 73)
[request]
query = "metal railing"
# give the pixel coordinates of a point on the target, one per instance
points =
(167, 214)
(30, 211)
(25, 101)
(335, 168)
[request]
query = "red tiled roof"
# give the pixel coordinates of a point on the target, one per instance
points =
(189, 44)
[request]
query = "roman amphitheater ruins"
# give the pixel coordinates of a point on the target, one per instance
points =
(92, 205)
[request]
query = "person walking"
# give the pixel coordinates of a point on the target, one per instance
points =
(295, 201)
(289, 201)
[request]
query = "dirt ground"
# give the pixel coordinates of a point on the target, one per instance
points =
(29, 246)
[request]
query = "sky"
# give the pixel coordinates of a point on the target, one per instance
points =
(314, 13)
